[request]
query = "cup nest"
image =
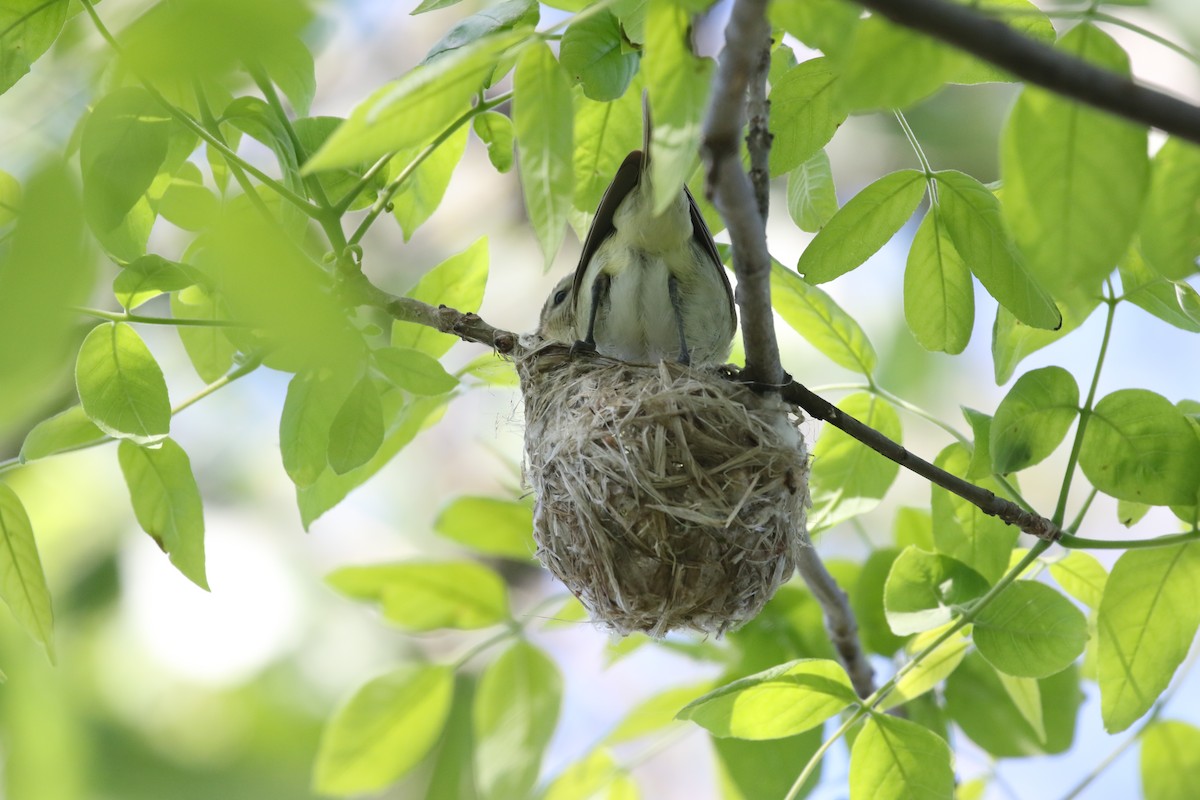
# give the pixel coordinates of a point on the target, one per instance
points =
(667, 497)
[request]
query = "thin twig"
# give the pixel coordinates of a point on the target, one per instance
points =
(731, 191)
(991, 40)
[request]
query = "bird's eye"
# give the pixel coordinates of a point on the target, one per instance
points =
(560, 295)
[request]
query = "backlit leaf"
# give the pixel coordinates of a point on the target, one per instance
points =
(489, 525)
(1170, 765)
(894, 759)
(496, 131)
(356, 433)
(811, 198)
(820, 320)
(594, 52)
(1033, 418)
(22, 580)
(849, 479)
(27, 29)
(939, 297)
(66, 430)
(312, 402)
(1029, 630)
(804, 114)
(1170, 230)
(167, 503)
(121, 386)
(457, 282)
(414, 371)
(926, 590)
(429, 596)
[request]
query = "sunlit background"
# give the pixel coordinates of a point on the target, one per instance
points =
(165, 691)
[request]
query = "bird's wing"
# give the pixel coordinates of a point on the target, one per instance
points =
(703, 237)
(624, 182)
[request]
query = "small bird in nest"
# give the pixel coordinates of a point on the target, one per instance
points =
(648, 287)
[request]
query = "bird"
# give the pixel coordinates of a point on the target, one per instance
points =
(647, 287)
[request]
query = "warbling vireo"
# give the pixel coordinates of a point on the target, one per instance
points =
(647, 287)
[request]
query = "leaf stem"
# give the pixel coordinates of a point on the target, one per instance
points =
(1060, 511)
(125, 316)
(385, 197)
(916, 146)
(1168, 540)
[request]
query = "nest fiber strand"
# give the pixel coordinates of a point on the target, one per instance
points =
(667, 497)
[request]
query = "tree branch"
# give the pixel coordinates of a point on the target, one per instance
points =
(1034, 62)
(730, 190)
(743, 204)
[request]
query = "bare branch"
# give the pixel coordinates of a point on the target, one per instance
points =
(731, 192)
(839, 620)
(758, 140)
(995, 42)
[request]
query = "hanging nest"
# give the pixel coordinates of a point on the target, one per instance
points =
(667, 497)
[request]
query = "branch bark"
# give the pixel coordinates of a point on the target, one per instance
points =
(995, 42)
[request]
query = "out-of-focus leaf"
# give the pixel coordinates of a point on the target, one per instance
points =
(429, 596)
(866, 600)
(804, 114)
(1170, 760)
(384, 730)
(931, 671)
(148, 277)
(414, 371)
(1174, 302)
(516, 710)
(357, 430)
(748, 770)
(1012, 339)
(22, 580)
(847, 478)
(187, 202)
(502, 17)
(656, 713)
(27, 29)
(496, 131)
(596, 777)
(457, 282)
(679, 84)
(312, 402)
(208, 347)
(426, 185)
(889, 66)
(489, 525)
(167, 503)
(64, 431)
(1170, 230)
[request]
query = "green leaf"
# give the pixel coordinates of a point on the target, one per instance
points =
(961, 530)
(166, 502)
(862, 226)
(595, 53)
(209, 349)
(426, 185)
(457, 282)
(811, 197)
(36, 324)
(604, 134)
(492, 370)
(654, 714)
(27, 29)
(939, 297)
(1148, 619)
(814, 315)
(22, 580)
(312, 403)
(120, 384)
(516, 710)
(848, 478)
(1012, 339)
(894, 759)
(1030, 631)
(1130, 513)
(384, 730)
(804, 115)
(1174, 302)
(507, 16)
(782, 701)
(312, 133)
(979, 703)
(866, 600)
(1081, 576)
(290, 66)
(404, 422)
(1074, 177)
(489, 525)
(679, 84)
(187, 202)
(1033, 418)
(1170, 229)
(10, 198)
(411, 111)
(1026, 695)
(596, 777)
(429, 596)
(496, 131)
(1022, 16)
(930, 671)
(981, 433)
(976, 226)
(148, 277)
(65, 431)
(750, 770)
(1170, 760)
(542, 115)
(889, 66)
(824, 25)
(124, 142)
(1140, 447)
(414, 371)
(926, 590)
(356, 433)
